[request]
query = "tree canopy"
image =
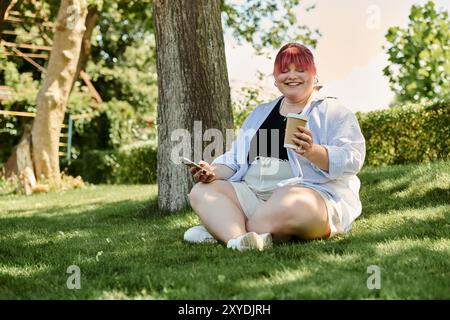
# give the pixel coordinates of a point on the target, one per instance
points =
(420, 56)
(267, 23)
(122, 63)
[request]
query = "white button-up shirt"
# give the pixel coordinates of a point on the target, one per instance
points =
(334, 127)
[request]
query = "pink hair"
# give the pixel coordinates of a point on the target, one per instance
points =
(297, 54)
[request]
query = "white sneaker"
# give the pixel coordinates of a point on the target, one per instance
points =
(267, 240)
(198, 234)
(248, 241)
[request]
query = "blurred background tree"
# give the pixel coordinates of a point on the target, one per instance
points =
(267, 23)
(120, 59)
(121, 62)
(420, 56)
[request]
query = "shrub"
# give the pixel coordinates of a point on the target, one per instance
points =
(103, 126)
(95, 166)
(135, 165)
(106, 126)
(406, 134)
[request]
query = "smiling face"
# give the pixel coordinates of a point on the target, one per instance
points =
(294, 72)
(295, 83)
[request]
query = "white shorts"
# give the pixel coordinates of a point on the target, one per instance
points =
(260, 182)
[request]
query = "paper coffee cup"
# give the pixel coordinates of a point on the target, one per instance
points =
(293, 121)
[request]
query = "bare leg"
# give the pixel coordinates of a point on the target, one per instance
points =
(292, 211)
(218, 207)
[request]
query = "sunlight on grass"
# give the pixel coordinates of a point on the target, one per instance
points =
(72, 201)
(345, 258)
(279, 278)
(120, 295)
(182, 222)
(396, 247)
(125, 252)
(30, 238)
(22, 271)
(71, 235)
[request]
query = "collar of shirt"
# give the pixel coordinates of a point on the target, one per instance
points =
(315, 96)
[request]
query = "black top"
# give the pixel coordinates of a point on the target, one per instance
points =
(269, 139)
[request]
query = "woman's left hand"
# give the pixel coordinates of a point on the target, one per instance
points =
(304, 142)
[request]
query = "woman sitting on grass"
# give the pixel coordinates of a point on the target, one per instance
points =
(259, 190)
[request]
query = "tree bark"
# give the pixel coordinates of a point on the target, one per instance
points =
(192, 86)
(20, 164)
(52, 97)
(85, 52)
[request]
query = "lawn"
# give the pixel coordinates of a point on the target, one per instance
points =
(125, 252)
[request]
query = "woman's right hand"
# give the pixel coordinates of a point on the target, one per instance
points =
(206, 176)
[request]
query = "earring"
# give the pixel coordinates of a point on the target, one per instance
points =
(275, 84)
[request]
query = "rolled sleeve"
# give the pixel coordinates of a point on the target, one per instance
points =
(346, 148)
(228, 159)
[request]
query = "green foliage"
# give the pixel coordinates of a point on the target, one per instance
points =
(123, 71)
(131, 78)
(250, 98)
(95, 166)
(268, 23)
(407, 134)
(123, 65)
(121, 117)
(7, 186)
(97, 3)
(138, 165)
(23, 99)
(135, 165)
(239, 117)
(420, 56)
(106, 126)
(34, 13)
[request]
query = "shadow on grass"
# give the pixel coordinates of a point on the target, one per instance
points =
(117, 239)
(128, 247)
(385, 189)
(431, 199)
(147, 253)
(414, 258)
(413, 272)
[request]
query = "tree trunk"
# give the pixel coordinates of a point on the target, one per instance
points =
(192, 86)
(20, 164)
(4, 4)
(85, 52)
(53, 96)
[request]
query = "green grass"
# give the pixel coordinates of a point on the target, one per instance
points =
(124, 252)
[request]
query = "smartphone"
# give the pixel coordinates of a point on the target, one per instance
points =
(191, 164)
